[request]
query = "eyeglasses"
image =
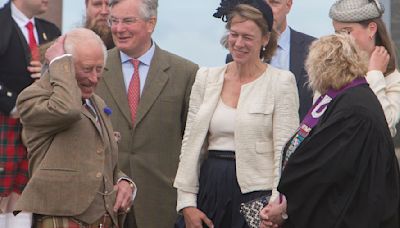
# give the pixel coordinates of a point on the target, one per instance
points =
(112, 21)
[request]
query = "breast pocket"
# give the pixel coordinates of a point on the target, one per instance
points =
(265, 109)
(260, 115)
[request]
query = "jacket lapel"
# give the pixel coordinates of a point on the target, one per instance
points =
(114, 81)
(90, 116)
(155, 82)
(296, 53)
(41, 33)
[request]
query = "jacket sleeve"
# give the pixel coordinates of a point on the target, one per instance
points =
(285, 121)
(187, 198)
(54, 102)
(387, 89)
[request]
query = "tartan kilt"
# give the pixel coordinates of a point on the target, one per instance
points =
(13, 157)
(68, 222)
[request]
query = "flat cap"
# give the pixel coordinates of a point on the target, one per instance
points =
(355, 10)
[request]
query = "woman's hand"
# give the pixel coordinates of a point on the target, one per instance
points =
(194, 218)
(271, 215)
(379, 59)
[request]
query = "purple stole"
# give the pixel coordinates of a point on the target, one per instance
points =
(313, 116)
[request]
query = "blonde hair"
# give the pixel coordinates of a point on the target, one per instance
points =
(334, 61)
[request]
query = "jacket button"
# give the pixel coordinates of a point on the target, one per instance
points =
(98, 175)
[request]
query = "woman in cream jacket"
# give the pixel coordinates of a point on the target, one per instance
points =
(240, 116)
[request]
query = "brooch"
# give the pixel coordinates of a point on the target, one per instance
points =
(107, 111)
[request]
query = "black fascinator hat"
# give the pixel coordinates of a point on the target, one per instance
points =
(226, 6)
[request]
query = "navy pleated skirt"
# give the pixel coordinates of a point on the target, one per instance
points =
(219, 195)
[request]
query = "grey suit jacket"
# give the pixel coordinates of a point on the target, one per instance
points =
(66, 146)
(149, 151)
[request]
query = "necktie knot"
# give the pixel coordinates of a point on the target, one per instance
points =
(135, 63)
(29, 26)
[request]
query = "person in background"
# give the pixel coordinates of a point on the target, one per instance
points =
(291, 52)
(75, 180)
(340, 168)
(97, 13)
(148, 89)
(240, 116)
(362, 19)
(21, 33)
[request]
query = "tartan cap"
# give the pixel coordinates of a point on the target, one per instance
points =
(355, 10)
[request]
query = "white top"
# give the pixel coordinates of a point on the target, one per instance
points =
(266, 117)
(222, 127)
(387, 90)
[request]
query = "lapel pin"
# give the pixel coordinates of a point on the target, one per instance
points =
(44, 36)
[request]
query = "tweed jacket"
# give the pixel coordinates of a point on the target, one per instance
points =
(149, 150)
(66, 145)
(266, 117)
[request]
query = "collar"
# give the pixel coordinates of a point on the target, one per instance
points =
(20, 17)
(284, 39)
(144, 59)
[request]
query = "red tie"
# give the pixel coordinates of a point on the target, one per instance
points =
(32, 42)
(134, 90)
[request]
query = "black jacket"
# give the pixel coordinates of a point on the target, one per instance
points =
(15, 56)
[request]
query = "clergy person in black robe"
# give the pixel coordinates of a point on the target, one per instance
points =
(344, 174)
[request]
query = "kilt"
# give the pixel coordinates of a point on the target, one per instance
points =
(44, 221)
(13, 157)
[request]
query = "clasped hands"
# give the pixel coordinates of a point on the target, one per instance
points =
(272, 215)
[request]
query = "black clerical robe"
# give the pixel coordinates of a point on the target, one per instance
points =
(345, 173)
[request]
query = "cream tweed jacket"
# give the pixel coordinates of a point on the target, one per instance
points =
(267, 116)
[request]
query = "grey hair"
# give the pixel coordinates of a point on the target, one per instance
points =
(147, 10)
(78, 37)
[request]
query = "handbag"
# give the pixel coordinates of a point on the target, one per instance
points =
(251, 210)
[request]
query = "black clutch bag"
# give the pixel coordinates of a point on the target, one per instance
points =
(251, 210)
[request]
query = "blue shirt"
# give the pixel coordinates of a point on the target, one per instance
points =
(144, 66)
(281, 59)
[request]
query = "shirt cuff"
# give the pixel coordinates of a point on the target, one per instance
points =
(132, 183)
(59, 57)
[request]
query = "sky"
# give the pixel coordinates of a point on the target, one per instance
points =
(187, 28)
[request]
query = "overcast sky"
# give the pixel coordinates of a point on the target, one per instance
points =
(187, 28)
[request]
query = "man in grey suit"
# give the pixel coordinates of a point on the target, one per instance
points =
(291, 52)
(148, 89)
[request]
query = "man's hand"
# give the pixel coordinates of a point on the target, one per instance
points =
(194, 218)
(56, 49)
(124, 196)
(379, 59)
(35, 69)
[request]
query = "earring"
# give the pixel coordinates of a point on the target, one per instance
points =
(263, 48)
